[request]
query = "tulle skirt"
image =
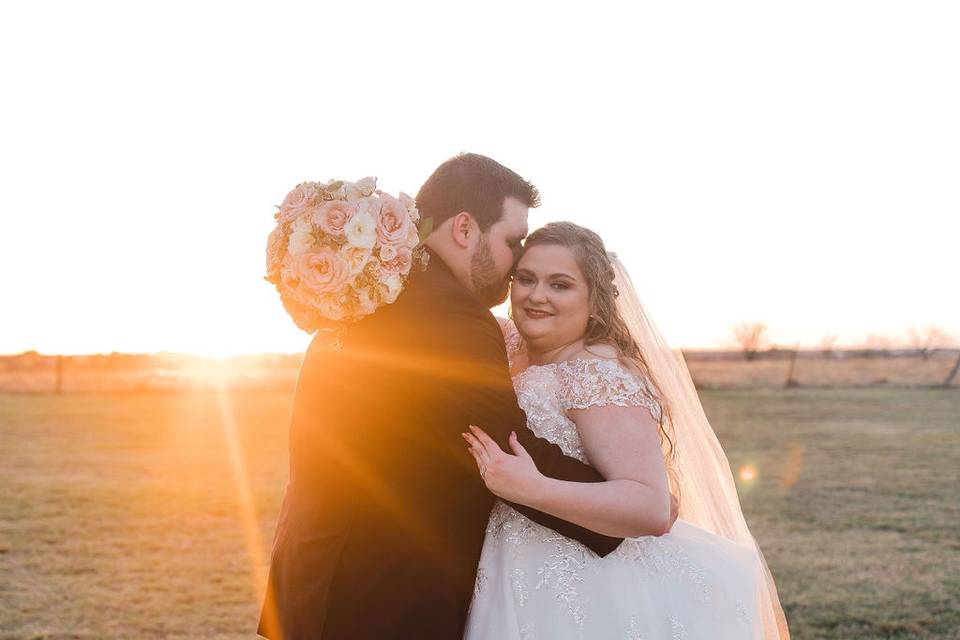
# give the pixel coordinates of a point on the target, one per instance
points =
(533, 583)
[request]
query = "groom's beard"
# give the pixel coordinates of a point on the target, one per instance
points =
(491, 287)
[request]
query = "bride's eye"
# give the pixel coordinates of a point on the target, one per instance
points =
(560, 286)
(524, 280)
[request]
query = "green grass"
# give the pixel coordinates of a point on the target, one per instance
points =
(121, 515)
(855, 505)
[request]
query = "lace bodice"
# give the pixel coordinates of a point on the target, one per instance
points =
(547, 392)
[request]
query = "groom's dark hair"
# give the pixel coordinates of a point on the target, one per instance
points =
(476, 184)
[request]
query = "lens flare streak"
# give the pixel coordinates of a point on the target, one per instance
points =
(241, 480)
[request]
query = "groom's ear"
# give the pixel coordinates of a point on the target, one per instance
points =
(464, 230)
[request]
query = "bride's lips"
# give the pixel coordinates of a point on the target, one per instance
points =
(536, 314)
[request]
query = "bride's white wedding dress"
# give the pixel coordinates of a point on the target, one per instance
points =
(533, 583)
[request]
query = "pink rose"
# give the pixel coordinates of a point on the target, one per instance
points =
(388, 252)
(394, 223)
(322, 271)
(400, 264)
(333, 216)
(276, 247)
(296, 202)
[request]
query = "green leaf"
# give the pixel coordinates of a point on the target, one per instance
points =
(425, 228)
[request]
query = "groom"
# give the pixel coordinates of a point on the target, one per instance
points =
(384, 518)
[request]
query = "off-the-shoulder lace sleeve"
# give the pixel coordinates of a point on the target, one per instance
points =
(588, 383)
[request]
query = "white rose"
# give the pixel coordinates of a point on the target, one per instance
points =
(394, 285)
(362, 230)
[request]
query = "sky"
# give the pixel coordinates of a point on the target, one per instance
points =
(795, 164)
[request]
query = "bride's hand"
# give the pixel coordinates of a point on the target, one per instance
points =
(514, 478)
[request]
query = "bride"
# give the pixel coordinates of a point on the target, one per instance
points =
(595, 377)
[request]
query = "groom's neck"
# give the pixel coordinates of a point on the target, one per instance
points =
(453, 259)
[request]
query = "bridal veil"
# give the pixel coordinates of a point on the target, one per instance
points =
(708, 493)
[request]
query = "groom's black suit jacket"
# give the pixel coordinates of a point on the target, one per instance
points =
(384, 517)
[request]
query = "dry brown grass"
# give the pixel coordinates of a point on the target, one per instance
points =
(823, 372)
(812, 370)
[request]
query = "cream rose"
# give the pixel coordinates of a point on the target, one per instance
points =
(322, 271)
(297, 201)
(356, 257)
(400, 263)
(394, 285)
(332, 217)
(411, 206)
(361, 188)
(366, 303)
(334, 190)
(361, 230)
(300, 242)
(394, 223)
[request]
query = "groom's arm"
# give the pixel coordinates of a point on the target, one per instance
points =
(484, 391)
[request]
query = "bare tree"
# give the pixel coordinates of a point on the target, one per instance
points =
(750, 336)
(828, 344)
(928, 340)
(879, 345)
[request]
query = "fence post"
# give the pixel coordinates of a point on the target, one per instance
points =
(791, 382)
(953, 373)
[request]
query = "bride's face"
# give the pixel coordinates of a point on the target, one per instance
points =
(549, 297)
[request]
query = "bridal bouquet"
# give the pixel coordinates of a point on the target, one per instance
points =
(341, 250)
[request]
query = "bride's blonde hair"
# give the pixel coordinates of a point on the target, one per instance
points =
(606, 325)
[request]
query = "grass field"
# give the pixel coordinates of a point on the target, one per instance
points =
(150, 515)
